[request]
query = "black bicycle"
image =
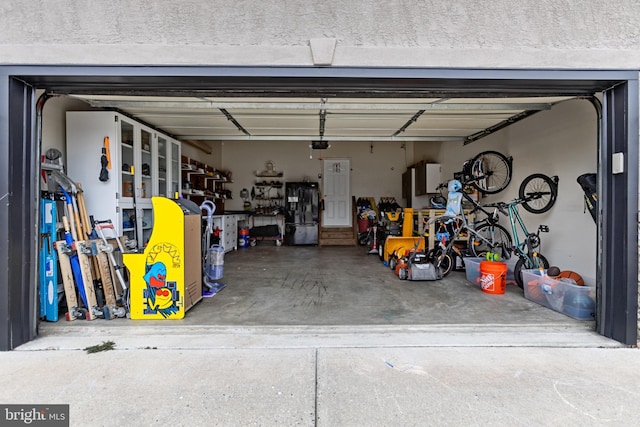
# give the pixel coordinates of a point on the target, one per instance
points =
(538, 192)
(489, 172)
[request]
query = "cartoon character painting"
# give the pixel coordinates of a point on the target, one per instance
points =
(160, 294)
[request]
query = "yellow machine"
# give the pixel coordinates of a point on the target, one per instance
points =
(169, 270)
(395, 244)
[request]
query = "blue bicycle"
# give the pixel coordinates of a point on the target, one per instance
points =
(537, 194)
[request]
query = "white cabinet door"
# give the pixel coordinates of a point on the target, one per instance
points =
(146, 182)
(162, 173)
(174, 177)
(433, 177)
(138, 169)
(145, 224)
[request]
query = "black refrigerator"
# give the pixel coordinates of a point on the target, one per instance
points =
(301, 213)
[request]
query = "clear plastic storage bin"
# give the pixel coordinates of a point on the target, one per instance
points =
(575, 301)
(472, 269)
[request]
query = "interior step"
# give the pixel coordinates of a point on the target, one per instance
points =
(337, 242)
(337, 236)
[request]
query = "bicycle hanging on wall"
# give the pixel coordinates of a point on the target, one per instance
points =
(537, 194)
(489, 172)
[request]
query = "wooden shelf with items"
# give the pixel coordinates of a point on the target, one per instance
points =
(429, 229)
(269, 189)
(202, 182)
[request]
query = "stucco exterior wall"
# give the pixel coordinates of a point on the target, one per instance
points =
(464, 33)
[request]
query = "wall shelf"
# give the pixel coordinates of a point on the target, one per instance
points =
(269, 184)
(202, 182)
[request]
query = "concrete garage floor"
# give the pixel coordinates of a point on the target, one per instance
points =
(307, 296)
(302, 285)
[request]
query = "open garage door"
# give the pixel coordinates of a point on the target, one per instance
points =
(617, 269)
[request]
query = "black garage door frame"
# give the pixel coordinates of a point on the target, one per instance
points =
(617, 269)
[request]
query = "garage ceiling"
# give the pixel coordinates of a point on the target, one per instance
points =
(336, 118)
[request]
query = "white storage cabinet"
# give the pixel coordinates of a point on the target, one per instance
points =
(228, 225)
(144, 163)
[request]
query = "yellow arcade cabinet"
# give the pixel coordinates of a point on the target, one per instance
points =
(166, 279)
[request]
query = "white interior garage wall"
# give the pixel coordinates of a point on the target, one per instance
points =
(54, 131)
(213, 159)
(376, 168)
(563, 142)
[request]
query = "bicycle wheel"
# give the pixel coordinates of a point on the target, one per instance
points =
(489, 238)
(381, 250)
(441, 259)
(526, 264)
(490, 172)
(539, 192)
(446, 264)
(363, 239)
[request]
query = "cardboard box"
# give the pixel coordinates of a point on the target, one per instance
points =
(575, 301)
(166, 279)
(192, 261)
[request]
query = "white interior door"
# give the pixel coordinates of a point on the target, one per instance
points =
(336, 189)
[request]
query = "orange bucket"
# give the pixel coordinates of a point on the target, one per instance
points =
(493, 277)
